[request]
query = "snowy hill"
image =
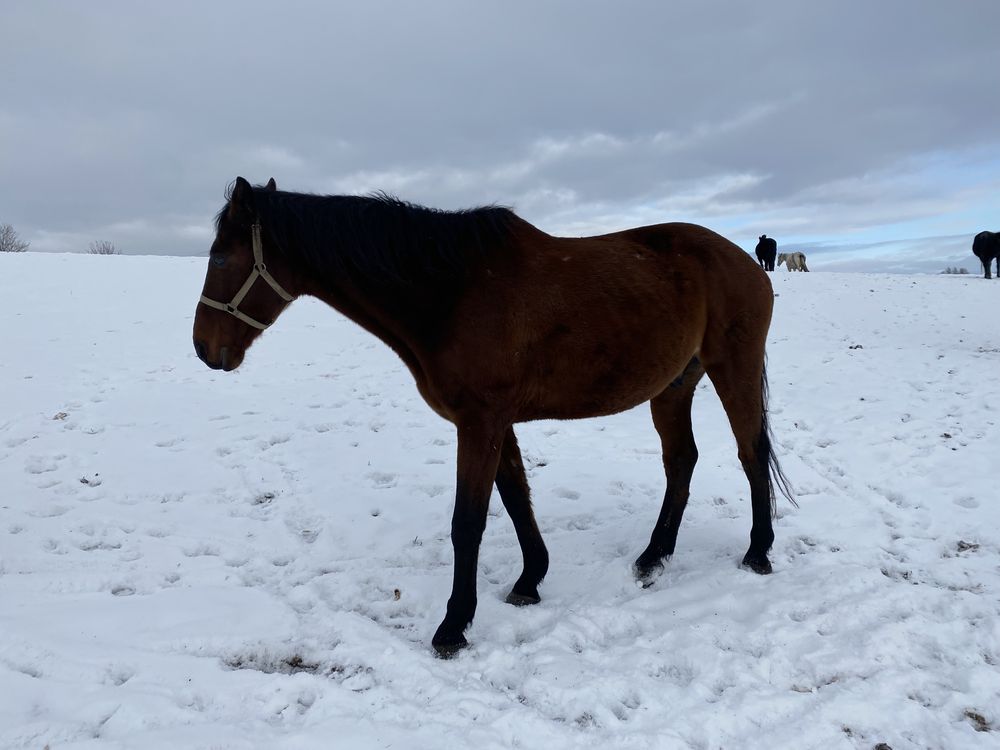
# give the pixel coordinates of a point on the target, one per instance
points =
(193, 559)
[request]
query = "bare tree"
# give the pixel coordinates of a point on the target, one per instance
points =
(10, 242)
(103, 247)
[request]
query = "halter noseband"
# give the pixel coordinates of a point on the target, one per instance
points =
(259, 270)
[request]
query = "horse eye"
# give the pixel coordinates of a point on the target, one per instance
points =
(218, 260)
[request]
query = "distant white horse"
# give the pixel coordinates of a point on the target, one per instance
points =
(794, 261)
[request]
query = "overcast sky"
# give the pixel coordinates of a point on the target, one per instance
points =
(866, 133)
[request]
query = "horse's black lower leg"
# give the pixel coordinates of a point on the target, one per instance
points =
(478, 456)
(762, 531)
(513, 487)
(741, 387)
(672, 419)
(663, 540)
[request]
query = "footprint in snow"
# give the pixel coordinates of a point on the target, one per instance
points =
(433, 490)
(273, 441)
(48, 511)
(42, 464)
(307, 528)
(201, 550)
(381, 479)
(54, 547)
(118, 675)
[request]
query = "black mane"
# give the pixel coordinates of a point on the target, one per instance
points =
(378, 239)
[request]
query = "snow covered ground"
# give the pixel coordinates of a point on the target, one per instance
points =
(192, 559)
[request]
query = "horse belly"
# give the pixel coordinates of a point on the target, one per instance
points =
(594, 377)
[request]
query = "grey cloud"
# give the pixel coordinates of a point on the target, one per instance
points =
(780, 116)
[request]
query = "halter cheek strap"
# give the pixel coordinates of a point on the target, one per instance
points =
(259, 271)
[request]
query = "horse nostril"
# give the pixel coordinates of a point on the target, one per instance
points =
(199, 348)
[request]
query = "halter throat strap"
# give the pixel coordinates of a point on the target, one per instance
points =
(259, 271)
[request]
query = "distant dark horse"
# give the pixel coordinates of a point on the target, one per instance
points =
(500, 323)
(767, 248)
(986, 246)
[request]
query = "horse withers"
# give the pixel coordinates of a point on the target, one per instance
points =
(501, 323)
(986, 247)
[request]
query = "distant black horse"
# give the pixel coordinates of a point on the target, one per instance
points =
(986, 246)
(767, 249)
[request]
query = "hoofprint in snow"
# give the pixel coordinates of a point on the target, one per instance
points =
(259, 559)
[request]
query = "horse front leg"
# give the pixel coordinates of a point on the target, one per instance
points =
(479, 446)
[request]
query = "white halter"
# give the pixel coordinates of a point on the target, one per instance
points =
(259, 270)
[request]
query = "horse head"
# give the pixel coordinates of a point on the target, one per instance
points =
(234, 308)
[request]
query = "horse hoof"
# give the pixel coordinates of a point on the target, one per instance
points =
(647, 575)
(759, 565)
(448, 647)
(522, 600)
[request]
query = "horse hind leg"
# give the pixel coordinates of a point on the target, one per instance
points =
(741, 382)
(512, 484)
(671, 411)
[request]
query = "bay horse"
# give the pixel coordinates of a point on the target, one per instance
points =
(501, 323)
(767, 248)
(986, 247)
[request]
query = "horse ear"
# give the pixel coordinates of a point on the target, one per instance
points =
(271, 185)
(241, 207)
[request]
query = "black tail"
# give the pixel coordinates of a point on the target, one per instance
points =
(765, 446)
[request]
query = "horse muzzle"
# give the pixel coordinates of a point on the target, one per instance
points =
(226, 361)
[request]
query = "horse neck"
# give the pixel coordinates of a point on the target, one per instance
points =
(404, 322)
(408, 316)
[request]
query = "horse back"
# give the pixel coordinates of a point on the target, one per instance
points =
(727, 276)
(767, 246)
(986, 242)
